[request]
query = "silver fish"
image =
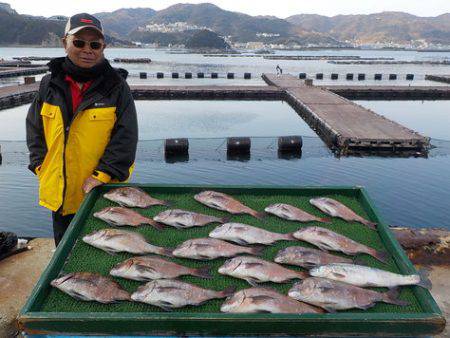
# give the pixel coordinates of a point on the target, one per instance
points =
(333, 295)
(292, 213)
(119, 216)
(133, 197)
(115, 240)
(224, 202)
(329, 240)
(147, 268)
(171, 294)
(307, 257)
(262, 300)
(186, 219)
(210, 248)
(88, 286)
(363, 276)
(255, 270)
(337, 209)
(246, 234)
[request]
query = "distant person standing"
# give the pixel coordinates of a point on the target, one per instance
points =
(279, 70)
(82, 126)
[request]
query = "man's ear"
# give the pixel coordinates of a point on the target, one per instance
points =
(64, 42)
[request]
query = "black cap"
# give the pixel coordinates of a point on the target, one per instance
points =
(81, 21)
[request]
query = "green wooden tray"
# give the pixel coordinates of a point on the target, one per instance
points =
(49, 311)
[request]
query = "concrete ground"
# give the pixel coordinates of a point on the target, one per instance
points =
(19, 274)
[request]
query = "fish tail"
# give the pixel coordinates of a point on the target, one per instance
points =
(424, 278)
(156, 225)
(325, 220)
(166, 252)
(167, 203)
(256, 250)
(382, 256)
(372, 225)
(391, 297)
(289, 237)
(302, 274)
(224, 220)
(203, 272)
(227, 292)
(258, 214)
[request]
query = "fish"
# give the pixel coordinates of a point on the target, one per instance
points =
(255, 270)
(307, 257)
(133, 197)
(146, 268)
(170, 294)
(115, 240)
(333, 295)
(244, 234)
(181, 219)
(224, 202)
(264, 300)
(337, 209)
(329, 240)
(363, 276)
(88, 286)
(292, 213)
(119, 216)
(211, 248)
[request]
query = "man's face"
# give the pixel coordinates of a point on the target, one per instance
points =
(86, 56)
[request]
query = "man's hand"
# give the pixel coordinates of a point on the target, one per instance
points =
(90, 183)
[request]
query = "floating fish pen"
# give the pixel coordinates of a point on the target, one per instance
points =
(136, 60)
(23, 71)
(49, 311)
(438, 78)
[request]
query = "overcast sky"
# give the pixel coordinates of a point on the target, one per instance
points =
(279, 8)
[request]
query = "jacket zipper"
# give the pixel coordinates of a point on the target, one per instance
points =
(82, 106)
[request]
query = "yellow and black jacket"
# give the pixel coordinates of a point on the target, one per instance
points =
(100, 139)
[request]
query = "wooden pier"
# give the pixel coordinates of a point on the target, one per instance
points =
(342, 124)
(14, 72)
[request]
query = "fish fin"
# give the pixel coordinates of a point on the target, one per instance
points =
(111, 252)
(228, 291)
(166, 306)
(338, 275)
(203, 272)
(424, 278)
(252, 281)
(325, 220)
(365, 307)
(359, 261)
(167, 203)
(391, 297)
(325, 288)
(252, 265)
(261, 299)
(328, 309)
(202, 257)
(241, 241)
(145, 268)
(290, 237)
(257, 250)
(382, 256)
(302, 274)
(225, 219)
(259, 214)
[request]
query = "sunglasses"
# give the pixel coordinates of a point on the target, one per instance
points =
(95, 45)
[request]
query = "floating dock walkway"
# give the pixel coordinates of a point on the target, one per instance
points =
(438, 78)
(13, 72)
(342, 124)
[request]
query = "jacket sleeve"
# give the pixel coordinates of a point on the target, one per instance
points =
(35, 134)
(120, 152)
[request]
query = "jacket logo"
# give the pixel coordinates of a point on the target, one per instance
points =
(99, 104)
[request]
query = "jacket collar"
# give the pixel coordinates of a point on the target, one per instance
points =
(103, 84)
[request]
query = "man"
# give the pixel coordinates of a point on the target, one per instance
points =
(82, 125)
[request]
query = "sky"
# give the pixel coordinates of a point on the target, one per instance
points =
(279, 8)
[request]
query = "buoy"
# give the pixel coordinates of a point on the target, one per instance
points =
(334, 76)
(176, 147)
(409, 77)
(392, 76)
(160, 75)
(319, 76)
(175, 75)
(230, 76)
(188, 75)
(361, 77)
(302, 76)
(247, 76)
(378, 77)
(240, 145)
(290, 143)
(142, 75)
(214, 75)
(1, 155)
(200, 75)
(349, 76)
